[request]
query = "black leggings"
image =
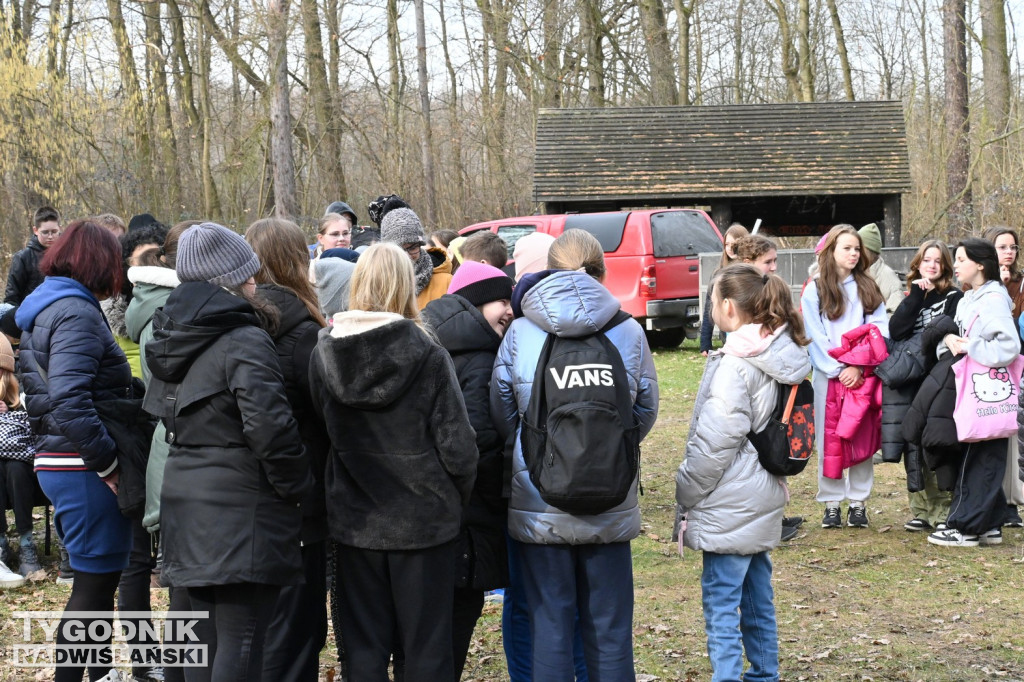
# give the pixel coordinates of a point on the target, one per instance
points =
(240, 615)
(91, 592)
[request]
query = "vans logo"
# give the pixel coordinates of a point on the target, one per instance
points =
(583, 375)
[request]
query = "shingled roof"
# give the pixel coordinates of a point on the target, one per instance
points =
(656, 153)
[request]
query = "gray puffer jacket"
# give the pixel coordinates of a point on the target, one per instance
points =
(569, 304)
(732, 505)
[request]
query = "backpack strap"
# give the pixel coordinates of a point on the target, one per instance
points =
(617, 319)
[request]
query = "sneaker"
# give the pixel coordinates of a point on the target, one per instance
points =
(65, 574)
(1013, 519)
(153, 675)
(788, 533)
(857, 516)
(833, 517)
(29, 559)
(8, 578)
(953, 538)
(992, 537)
(941, 526)
(792, 521)
(915, 525)
(113, 676)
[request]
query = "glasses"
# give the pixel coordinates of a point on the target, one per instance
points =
(412, 249)
(1009, 249)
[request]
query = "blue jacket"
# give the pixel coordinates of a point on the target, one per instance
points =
(67, 337)
(569, 304)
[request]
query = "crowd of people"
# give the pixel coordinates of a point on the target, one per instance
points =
(348, 423)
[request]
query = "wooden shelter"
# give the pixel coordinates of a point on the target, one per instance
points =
(799, 167)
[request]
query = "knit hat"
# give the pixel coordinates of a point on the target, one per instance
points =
(341, 208)
(401, 226)
(212, 253)
(6, 354)
(333, 279)
(871, 237)
(480, 283)
(531, 253)
(7, 324)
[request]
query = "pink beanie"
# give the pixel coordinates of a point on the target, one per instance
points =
(480, 283)
(531, 253)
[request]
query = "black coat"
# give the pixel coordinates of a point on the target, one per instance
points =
(295, 340)
(70, 361)
(24, 275)
(929, 421)
(473, 344)
(403, 454)
(236, 469)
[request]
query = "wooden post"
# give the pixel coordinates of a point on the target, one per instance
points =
(891, 212)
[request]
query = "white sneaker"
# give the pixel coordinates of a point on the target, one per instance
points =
(992, 537)
(8, 578)
(952, 538)
(113, 676)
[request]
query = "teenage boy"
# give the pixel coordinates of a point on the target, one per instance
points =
(24, 275)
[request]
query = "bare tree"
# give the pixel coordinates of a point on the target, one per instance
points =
(844, 59)
(286, 203)
(958, 151)
(659, 52)
(426, 141)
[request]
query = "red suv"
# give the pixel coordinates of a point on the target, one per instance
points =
(651, 257)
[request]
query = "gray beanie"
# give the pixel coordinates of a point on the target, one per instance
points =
(212, 253)
(401, 226)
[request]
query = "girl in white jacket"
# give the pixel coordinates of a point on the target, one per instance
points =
(732, 505)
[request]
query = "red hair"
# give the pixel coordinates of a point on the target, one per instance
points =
(89, 254)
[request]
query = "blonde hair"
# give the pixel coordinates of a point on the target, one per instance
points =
(577, 250)
(383, 281)
(325, 222)
(10, 392)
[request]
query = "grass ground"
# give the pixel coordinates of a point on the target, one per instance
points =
(874, 604)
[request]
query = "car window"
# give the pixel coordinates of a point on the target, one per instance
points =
(682, 233)
(607, 227)
(513, 233)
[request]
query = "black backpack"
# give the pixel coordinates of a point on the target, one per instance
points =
(579, 439)
(784, 445)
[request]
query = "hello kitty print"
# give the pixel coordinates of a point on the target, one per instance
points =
(994, 386)
(985, 404)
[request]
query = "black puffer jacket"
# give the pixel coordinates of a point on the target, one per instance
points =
(403, 454)
(236, 470)
(929, 421)
(24, 275)
(473, 344)
(295, 340)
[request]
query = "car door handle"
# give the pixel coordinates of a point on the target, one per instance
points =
(693, 268)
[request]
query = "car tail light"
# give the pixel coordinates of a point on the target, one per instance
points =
(649, 283)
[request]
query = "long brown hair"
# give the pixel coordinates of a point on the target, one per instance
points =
(284, 260)
(831, 298)
(762, 299)
(737, 232)
(945, 280)
(994, 232)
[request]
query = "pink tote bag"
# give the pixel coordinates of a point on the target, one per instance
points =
(986, 399)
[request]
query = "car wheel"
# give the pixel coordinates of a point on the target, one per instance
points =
(665, 338)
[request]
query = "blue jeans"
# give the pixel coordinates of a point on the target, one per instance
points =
(739, 615)
(595, 581)
(515, 626)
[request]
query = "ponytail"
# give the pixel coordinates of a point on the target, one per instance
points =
(763, 299)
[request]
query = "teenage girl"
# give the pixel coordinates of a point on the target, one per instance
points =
(707, 327)
(759, 251)
(733, 506)
(842, 297)
(1005, 241)
(988, 336)
(930, 294)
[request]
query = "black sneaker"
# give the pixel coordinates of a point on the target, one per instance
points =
(915, 525)
(65, 574)
(833, 517)
(857, 517)
(792, 521)
(992, 537)
(788, 533)
(29, 560)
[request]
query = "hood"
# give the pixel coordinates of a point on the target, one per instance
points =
(113, 309)
(968, 307)
(333, 276)
(195, 315)
(569, 304)
(525, 283)
(780, 357)
(33, 243)
(291, 308)
(460, 326)
(51, 290)
(153, 274)
(371, 359)
(441, 259)
(148, 294)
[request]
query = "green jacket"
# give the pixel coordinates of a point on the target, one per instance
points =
(152, 287)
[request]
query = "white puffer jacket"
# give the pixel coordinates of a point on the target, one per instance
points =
(732, 505)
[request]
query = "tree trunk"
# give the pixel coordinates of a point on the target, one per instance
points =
(458, 172)
(163, 127)
(805, 57)
(592, 23)
(737, 61)
(286, 203)
(211, 198)
(426, 140)
(789, 60)
(958, 152)
(328, 151)
(844, 60)
(684, 12)
(551, 21)
(392, 133)
(996, 72)
(659, 52)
